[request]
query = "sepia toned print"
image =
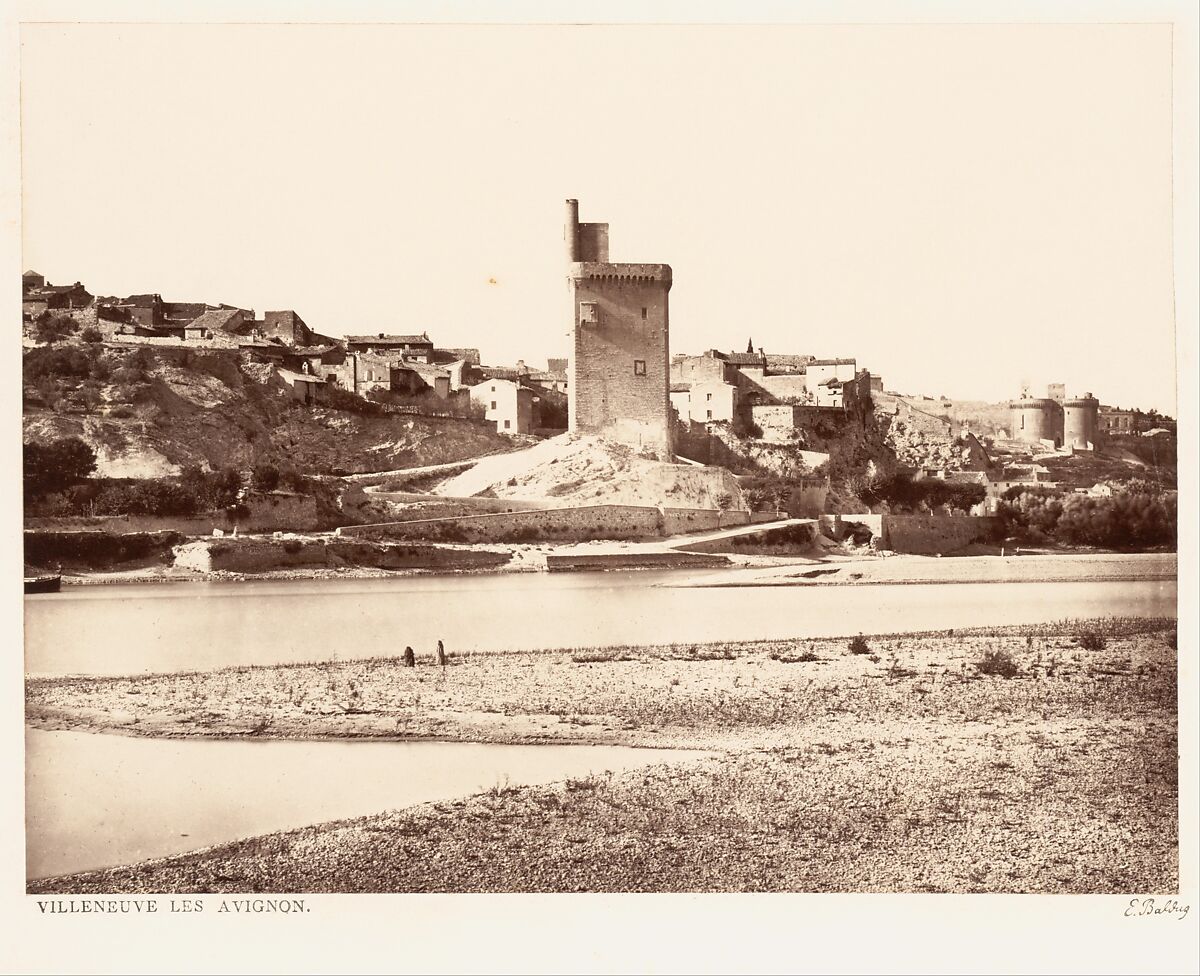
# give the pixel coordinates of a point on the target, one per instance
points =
(495, 558)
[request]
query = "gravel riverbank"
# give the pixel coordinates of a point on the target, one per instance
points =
(916, 765)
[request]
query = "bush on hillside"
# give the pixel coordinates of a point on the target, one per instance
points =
(57, 465)
(338, 399)
(55, 328)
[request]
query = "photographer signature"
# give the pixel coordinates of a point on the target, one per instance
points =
(1148, 906)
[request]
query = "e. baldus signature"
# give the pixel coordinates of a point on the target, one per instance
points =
(1139, 907)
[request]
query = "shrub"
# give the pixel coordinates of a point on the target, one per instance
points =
(338, 399)
(128, 375)
(91, 335)
(859, 645)
(264, 477)
(57, 465)
(1091, 641)
(997, 662)
(43, 362)
(1136, 517)
(56, 328)
(902, 493)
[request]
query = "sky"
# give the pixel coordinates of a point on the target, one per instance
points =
(964, 209)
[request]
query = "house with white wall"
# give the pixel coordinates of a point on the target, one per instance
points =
(508, 404)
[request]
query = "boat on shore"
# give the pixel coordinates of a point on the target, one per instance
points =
(43, 584)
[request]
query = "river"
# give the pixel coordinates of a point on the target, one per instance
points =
(136, 628)
(95, 801)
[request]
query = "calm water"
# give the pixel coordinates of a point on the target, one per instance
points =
(95, 801)
(195, 626)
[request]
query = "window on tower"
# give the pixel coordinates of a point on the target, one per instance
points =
(639, 367)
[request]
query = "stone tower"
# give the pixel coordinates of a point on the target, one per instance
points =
(620, 369)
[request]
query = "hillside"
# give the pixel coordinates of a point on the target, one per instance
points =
(147, 412)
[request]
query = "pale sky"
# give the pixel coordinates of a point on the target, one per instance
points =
(961, 208)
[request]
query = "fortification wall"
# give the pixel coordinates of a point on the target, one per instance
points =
(932, 534)
(267, 555)
(679, 521)
(557, 524)
(561, 525)
(268, 513)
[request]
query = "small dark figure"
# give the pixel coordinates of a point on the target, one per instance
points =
(410, 660)
(441, 654)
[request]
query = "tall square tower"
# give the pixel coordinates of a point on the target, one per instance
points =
(620, 370)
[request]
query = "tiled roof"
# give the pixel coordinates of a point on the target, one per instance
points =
(180, 309)
(499, 372)
(411, 340)
(293, 376)
(142, 301)
(421, 369)
(217, 319)
(744, 359)
(832, 362)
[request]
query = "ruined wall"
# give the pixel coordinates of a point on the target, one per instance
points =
(932, 534)
(268, 513)
(916, 534)
(698, 369)
(267, 555)
(784, 387)
(560, 524)
(679, 521)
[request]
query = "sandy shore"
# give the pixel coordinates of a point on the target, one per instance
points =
(1042, 567)
(906, 768)
(836, 570)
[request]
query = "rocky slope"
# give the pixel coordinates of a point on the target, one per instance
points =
(148, 412)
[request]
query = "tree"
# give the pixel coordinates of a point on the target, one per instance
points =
(57, 465)
(91, 335)
(56, 328)
(264, 477)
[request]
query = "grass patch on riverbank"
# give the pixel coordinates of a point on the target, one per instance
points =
(863, 809)
(727, 694)
(915, 767)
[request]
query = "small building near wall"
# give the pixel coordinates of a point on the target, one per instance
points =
(508, 404)
(305, 387)
(706, 401)
(414, 379)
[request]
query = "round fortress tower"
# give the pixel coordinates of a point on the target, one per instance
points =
(1081, 422)
(1035, 419)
